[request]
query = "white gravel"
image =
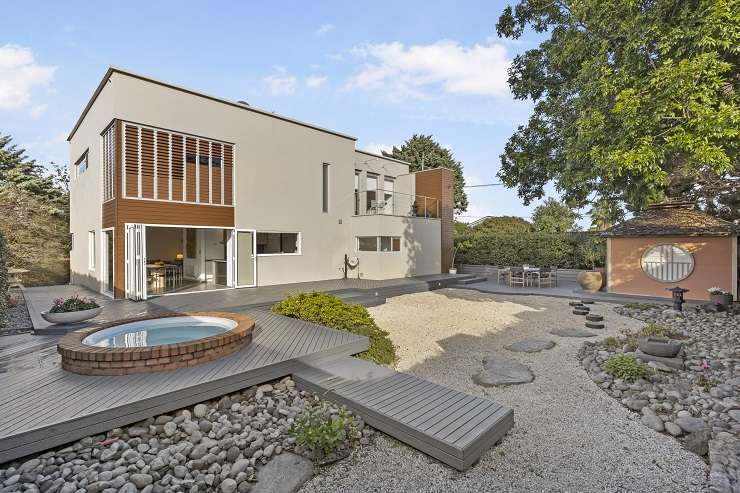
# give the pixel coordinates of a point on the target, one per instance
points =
(568, 435)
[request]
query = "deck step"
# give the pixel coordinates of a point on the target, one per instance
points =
(472, 280)
(454, 427)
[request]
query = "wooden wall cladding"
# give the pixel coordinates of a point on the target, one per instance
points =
(165, 165)
(174, 213)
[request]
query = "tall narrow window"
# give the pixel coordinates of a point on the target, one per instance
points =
(388, 195)
(371, 190)
(109, 153)
(357, 192)
(81, 165)
(325, 188)
(91, 250)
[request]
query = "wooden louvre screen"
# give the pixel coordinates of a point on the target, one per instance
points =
(109, 160)
(164, 165)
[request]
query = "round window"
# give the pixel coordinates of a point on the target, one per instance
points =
(667, 263)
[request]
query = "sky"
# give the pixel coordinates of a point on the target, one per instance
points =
(380, 71)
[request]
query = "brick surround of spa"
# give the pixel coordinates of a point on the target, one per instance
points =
(91, 360)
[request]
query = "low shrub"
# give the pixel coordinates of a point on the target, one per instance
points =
(626, 367)
(328, 310)
(75, 303)
(321, 433)
(658, 330)
(639, 306)
(613, 342)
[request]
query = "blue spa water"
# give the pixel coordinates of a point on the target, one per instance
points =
(158, 332)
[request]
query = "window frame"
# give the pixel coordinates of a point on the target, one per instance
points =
(83, 157)
(357, 244)
(325, 187)
(91, 250)
(299, 243)
(651, 248)
(378, 243)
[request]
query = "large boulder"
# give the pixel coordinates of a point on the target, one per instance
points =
(499, 370)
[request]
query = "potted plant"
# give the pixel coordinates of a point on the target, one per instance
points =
(594, 279)
(453, 268)
(72, 310)
(719, 296)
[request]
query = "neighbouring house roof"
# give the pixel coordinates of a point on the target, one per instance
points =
(673, 219)
(242, 105)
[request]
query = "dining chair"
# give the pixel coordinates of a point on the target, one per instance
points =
(504, 272)
(517, 277)
(544, 276)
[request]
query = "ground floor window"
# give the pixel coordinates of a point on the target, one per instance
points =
(379, 243)
(274, 243)
(91, 250)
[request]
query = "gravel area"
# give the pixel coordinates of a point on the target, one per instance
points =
(568, 435)
(17, 319)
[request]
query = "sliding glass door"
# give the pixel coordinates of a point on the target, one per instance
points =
(246, 258)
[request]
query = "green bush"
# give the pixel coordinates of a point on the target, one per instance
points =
(626, 367)
(4, 296)
(328, 310)
(318, 432)
(565, 250)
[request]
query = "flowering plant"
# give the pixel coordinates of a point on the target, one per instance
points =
(74, 304)
(716, 290)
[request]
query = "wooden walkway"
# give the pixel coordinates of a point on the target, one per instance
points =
(45, 407)
(452, 426)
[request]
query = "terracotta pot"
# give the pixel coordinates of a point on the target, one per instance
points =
(721, 299)
(591, 280)
(71, 317)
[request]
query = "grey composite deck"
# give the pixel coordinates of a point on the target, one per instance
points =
(452, 426)
(45, 407)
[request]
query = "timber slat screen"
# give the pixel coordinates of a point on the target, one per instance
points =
(164, 165)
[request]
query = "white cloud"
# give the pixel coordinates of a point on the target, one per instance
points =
(19, 73)
(337, 57)
(281, 84)
(314, 82)
(37, 111)
(479, 70)
(324, 29)
(377, 148)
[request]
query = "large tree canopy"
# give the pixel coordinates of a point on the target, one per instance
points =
(423, 149)
(553, 216)
(634, 101)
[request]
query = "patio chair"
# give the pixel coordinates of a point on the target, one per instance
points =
(504, 272)
(543, 276)
(554, 274)
(517, 277)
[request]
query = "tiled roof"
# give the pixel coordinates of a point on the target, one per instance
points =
(673, 219)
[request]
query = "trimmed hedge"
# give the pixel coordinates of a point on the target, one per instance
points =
(330, 311)
(3, 279)
(565, 250)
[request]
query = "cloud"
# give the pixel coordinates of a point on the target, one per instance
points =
(324, 29)
(37, 111)
(19, 74)
(281, 84)
(315, 81)
(377, 148)
(337, 57)
(478, 70)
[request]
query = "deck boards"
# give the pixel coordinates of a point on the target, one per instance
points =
(452, 426)
(46, 407)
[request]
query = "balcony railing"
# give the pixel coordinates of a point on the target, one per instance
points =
(384, 202)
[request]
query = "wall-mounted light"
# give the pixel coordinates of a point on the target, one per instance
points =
(179, 256)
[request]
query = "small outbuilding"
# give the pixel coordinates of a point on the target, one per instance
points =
(672, 244)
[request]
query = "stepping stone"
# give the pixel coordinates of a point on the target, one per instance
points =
(580, 311)
(575, 303)
(587, 302)
(572, 332)
(594, 325)
(499, 370)
(285, 472)
(530, 345)
(594, 318)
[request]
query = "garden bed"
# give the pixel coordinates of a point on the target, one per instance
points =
(17, 319)
(697, 402)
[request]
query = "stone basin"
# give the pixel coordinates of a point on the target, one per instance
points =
(659, 346)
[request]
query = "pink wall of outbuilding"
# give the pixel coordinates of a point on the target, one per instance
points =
(715, 264)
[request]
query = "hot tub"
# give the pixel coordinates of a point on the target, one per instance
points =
(152, 344)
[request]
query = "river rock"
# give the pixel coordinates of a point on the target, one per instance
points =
(286, 472)
(530, 345)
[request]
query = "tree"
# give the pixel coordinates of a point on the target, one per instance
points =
(554, 217)
(424, 150)
(504, 225)
(634, 101)
(17, 168)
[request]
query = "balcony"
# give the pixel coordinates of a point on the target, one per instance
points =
(387, 203)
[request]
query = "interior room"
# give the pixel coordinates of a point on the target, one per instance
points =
(181, 260)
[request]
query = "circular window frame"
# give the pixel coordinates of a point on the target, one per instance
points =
(651, 247)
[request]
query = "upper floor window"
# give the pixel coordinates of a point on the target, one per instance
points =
(109, 159)
(325, 188)
(667, 263)
(81, 165)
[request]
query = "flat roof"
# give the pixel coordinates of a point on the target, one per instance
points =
(380, 156)
(113, 69)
